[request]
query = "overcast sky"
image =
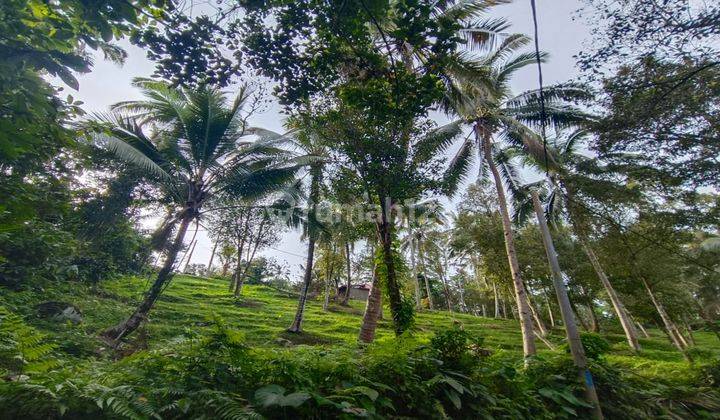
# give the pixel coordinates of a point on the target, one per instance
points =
(560, 33)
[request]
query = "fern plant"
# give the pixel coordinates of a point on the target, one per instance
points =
(23, 350)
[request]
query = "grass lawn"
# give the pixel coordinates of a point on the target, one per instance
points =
(262, 314)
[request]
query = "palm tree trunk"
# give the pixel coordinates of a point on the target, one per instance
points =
(642, 329)
(385, 234)
(446, 290)
(372, 310)
(542, 328)
(296, 326)
(526, 322)
(328, 277)
(346, 298)
(413, 267)
(461, 296)
(670, 326)
(550, 311)
(622, 313)
(192, 250)
(316, 175)
(235, 284)
(126, 327)
(588, 300)
(579, 317)
(690, 337)
(496, 299)
(208, 271)
(573, 336)
(421, 256)
(192, 242)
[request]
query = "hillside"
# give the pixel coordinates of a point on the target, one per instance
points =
(263, 314)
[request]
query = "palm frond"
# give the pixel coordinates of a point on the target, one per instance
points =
(510, 66)
(509, 174)
(130, 154)
(566, 92)
(510, 45)
(518, 135)
(466, 9)
(458, 168)
(483, 35)
(557, 116)
(437, 141)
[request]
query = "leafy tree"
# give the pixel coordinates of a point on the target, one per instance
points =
(376, 115)
(660, 124)
(250, 227)
(626, 31)
(195, 152)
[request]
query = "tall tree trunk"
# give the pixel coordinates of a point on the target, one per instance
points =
(670, 326)
(630, 332)
(578, 316)
(421, 255)
(165, 275)
(315, 181)
(385, 235)
(497, 299)
(690, 337)
(372, 310)
(442, 269)
(573, 336)
(328, 277)
(296, 326)
(252, 249)
(208, 271)
(524, 313)
(413, 266)
(461, 296)
(549, 308)
(588, 300)
(642, 329)
(541, 327)
(190, 247)
(346, 298)
(187, 262)
(242, 238)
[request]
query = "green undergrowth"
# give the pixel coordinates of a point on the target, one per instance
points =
(205, 354)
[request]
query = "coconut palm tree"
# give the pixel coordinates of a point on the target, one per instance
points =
(190, 144)
(557, 161)
(309, 145)
(426, 216)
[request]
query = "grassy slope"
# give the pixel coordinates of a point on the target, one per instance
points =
(263, 314)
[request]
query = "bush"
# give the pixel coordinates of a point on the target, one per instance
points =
(457, 348)
(594, 344)
(215, 375)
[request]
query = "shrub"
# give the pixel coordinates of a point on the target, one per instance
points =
(594, 344)
(457, 348)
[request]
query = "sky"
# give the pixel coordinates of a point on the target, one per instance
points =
(561, 34)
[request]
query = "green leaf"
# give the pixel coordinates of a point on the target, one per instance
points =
(296, 399)
(454, 398)
(368, 392)
(455, 384)
(269, 395)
